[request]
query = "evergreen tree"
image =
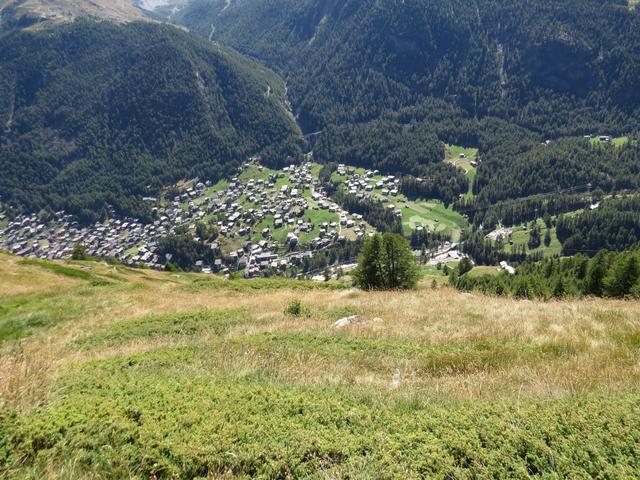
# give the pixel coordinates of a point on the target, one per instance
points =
(386, 262)
(534, 238)
(622, 277)
(368, 274)
(596, 272)
(79, 253)
(465, 266)
(400, 267)
(558, 290)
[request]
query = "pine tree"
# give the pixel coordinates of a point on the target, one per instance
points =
(386, 262)
(595, 274)
(558, 290)
(465, 266)
(400, 267)
(368, 274)
(624, 273)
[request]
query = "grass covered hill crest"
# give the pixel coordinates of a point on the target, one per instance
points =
(110, 372)
(93, 113)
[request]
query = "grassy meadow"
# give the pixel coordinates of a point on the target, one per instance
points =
(452, 155)
(107, 372)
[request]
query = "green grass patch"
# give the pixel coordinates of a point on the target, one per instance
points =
(180, 324)
(520, 237)
(480, 271)
(58, 269)
(431, 215)
(254, 172)
(22, 315)
(160, 415)
(429, 270)
(221, 185)
(382, 354)
(452, 155)
(615, 141)
(200, 284)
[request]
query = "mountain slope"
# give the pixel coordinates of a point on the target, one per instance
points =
(492, 74)
(114, 373)
(37, 13)
(351, 60)
(95, 113)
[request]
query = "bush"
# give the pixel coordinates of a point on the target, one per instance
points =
(79, 253)
(296, 308)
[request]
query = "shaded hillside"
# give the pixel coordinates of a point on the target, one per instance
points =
(94, 114)
(551, 66)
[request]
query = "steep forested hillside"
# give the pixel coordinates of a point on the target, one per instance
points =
(500, 75)
(94, 114)
(552, 66)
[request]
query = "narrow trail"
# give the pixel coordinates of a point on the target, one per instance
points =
(227, 4)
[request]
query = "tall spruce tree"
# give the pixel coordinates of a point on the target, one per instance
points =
(387, 263)
(622, 276)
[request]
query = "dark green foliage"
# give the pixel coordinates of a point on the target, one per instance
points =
(206, 232)
(607, 274)
(386, 263)
(465, 266)
(442, 181)
(515, 212)
(375, 77)
(341, 252)
(94, 114)
(373, 211)
(534, 237)
(423, 239)
(622, 276)
(382, 145)
(79, 253)
(552, 66)
(185, 251)
(396, 149)
(596, 271)
(523, 167)
(613, 226)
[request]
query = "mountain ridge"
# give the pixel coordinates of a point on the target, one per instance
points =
(97, 114)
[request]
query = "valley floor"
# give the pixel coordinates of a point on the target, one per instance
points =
(107, 372)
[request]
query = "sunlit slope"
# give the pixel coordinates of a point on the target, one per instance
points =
(106, 371)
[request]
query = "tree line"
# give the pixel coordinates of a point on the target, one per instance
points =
(607, 274)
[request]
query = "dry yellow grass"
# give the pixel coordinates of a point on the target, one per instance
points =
(27, 279)
(428, 343)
